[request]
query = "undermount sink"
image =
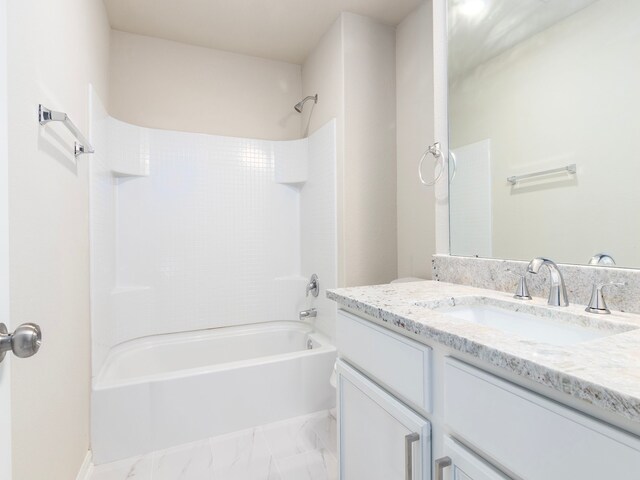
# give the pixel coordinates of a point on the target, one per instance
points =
(536, 323)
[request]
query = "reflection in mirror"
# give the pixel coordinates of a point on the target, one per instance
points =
(602, 259)
(543, 121)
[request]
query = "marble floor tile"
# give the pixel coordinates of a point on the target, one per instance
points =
(138, 468)
(326, 428)
(293, 436)
(189, 462)
(296, 449)
(249, 472)
(312, 465)
(243, 456)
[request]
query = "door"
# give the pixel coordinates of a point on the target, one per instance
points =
(5, 393)
(379, 438)
(5, 386)
(459, 463)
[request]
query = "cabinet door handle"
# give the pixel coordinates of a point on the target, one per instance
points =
(440, 465)
(409, 440)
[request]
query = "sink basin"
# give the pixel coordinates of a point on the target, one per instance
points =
(538, 324)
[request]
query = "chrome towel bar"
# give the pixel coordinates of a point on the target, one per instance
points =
(46, 115)
(571, 169)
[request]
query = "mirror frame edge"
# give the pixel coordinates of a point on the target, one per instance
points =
(441, 122)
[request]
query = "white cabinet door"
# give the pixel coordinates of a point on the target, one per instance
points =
(379, 437)
(461, 464)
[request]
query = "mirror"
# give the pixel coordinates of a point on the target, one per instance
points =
(544, 126)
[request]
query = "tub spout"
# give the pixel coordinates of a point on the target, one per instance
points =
(311, 313)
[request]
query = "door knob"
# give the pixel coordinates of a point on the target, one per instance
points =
(23, 342)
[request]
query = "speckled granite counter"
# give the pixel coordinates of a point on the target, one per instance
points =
(604, 372)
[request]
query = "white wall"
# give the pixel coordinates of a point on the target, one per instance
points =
(370, 151)
(414, 94)
(55, 50)
(353, 71)
(323, 73)
(567, 95)
(162, 84)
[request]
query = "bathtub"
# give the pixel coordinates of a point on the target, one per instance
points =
(156, 392)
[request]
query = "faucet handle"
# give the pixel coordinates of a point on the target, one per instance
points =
(522, 291)
(313, 286)
(597, 303)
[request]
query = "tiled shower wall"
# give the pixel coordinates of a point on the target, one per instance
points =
(193, 231)
(318, 224)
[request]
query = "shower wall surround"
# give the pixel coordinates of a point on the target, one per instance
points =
(193, 231)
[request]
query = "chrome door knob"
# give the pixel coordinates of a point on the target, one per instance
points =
(24, 342)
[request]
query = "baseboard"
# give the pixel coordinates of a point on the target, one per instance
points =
(85, 468)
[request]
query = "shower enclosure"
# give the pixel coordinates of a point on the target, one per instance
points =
(199, 243)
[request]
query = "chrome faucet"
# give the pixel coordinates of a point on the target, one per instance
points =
(311, 313)
(557, 290)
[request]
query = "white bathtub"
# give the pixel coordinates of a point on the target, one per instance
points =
(156, 392)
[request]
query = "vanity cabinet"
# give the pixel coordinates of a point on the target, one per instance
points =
(398, 399)
(379, 437)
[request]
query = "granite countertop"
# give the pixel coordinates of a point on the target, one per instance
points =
(604, 371)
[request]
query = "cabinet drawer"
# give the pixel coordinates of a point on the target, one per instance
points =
(532, 436)
(397, 363)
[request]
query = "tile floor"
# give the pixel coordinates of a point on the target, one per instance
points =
(301, 448)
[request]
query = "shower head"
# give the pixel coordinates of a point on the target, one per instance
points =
(300, 104)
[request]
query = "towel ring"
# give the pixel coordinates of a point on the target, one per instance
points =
(439, 160)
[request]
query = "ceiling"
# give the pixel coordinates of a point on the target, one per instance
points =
(285, 30)
(474, 39)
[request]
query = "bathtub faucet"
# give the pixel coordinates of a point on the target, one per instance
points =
(311, 313)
